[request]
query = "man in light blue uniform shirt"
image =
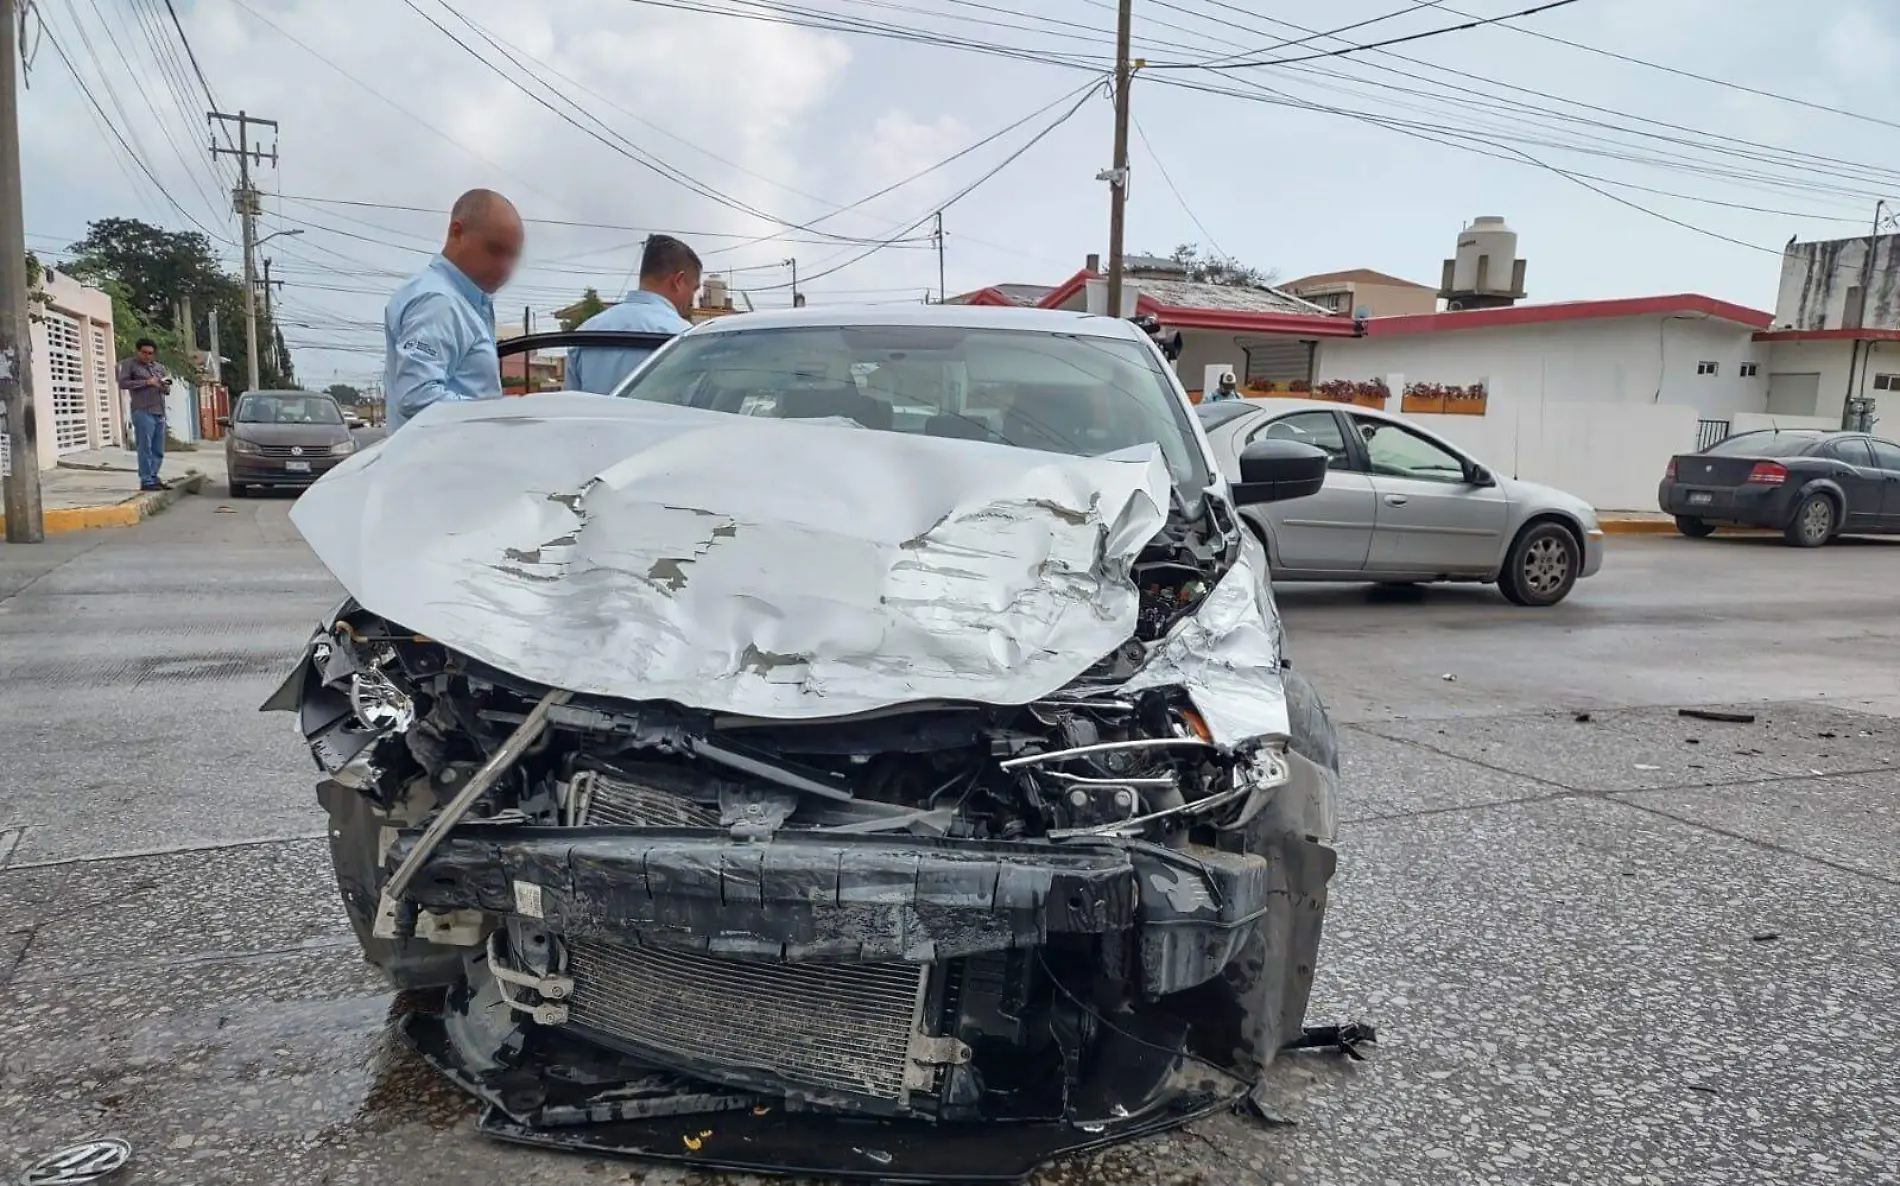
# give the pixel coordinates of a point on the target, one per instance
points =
(669, 278)
(439, 327)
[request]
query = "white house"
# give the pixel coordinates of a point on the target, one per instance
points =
(76, 404)
(1590, 396)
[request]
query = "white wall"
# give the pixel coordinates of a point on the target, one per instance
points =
(1637, 360)
(1743, 422)
(1596, 408)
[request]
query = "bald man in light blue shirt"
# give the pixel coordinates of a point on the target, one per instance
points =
(439, 327)
(669, 279)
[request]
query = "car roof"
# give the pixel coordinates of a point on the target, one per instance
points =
(1048, 321)
(300, 394)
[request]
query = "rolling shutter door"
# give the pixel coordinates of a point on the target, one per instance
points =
(1279, 360)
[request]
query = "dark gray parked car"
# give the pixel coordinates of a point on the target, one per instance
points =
(283, 439)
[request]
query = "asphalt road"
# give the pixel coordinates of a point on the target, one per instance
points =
(1634, 948)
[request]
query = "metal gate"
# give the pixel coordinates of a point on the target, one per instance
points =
(66, 367)
(1710, 432)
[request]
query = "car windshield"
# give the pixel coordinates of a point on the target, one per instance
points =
(1065, 393)
(288, 409)
(1765, 444)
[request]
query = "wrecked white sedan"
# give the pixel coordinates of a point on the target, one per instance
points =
(861, 748)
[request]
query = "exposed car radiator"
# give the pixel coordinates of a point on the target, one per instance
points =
(850, 1030)
(602, 799)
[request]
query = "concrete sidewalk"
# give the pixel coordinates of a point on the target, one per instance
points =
(99, 487)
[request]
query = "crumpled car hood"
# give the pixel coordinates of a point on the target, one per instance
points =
(770, 568)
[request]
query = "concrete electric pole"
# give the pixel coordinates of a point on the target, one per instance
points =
(1117, 176)
(798, 302)
(248, 203)
(25, 523)
(943, 294)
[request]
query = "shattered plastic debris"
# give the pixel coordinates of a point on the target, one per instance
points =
(1449, 678)
(1345, 1038)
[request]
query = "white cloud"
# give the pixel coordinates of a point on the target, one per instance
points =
(1862, 48)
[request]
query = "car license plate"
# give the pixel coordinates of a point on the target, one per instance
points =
(303, 467)
(1700, 498)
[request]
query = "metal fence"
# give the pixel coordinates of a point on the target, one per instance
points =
(1708, 432)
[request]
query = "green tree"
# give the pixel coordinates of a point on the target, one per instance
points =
(154, 267)
(1220, 269)
(344, 393)
(589, 304)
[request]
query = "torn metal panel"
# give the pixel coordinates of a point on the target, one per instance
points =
(774, 568)
(1227, 655)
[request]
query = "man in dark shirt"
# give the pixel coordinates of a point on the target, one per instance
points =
(144, 379)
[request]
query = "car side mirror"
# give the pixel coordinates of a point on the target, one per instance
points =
(1276, 470)
(1477, 475)
(224, 422)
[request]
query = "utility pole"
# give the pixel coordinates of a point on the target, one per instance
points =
(943, 294)
(798, 301)
(1117, 176)
(247, 202)
(1855, 411)
(276, 363)
(25, 524)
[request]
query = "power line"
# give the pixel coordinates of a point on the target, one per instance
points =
(425, 124)
(1416, 6)
(116, 135)
(1174, 189)
(1690, 74)
(1476, 23)
(1065, 117)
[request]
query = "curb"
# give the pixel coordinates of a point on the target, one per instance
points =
(1637, 526)
(128, 513)
(1668, 527)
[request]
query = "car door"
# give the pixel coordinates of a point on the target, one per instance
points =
(1861, 481)
(1429, 517)
(1331, 531)
(1887, 461)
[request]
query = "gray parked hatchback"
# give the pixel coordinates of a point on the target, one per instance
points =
(283, 438)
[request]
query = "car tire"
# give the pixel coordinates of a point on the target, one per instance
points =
(1542, 566)
(239, 490)
(1693, 527)
(1813, 523)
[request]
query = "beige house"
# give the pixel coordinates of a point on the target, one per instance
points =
(1363, 291)
(76, 401)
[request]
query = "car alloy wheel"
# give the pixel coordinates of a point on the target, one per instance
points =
(1546, 565)
(1542, 567)
(1813, 523)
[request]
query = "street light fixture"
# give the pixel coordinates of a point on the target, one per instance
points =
(274, 235)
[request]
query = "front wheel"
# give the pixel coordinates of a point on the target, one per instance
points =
(240, 490)
(1693, 527)
(1813, 522)
(1542, 566)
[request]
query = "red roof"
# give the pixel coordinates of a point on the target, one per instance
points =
(1232, 320)
(1691, 304)
(1829, 335)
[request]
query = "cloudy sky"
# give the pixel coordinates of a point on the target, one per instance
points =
(1623, 177)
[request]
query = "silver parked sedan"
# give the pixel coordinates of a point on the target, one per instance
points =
(1402, 506)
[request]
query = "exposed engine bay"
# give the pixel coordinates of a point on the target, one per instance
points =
(671, 929)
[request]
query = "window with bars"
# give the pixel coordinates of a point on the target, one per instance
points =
(104, 388)
(65, 367)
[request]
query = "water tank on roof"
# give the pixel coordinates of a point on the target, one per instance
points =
(1486, 272)
(716, 294)
(1487, 251)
